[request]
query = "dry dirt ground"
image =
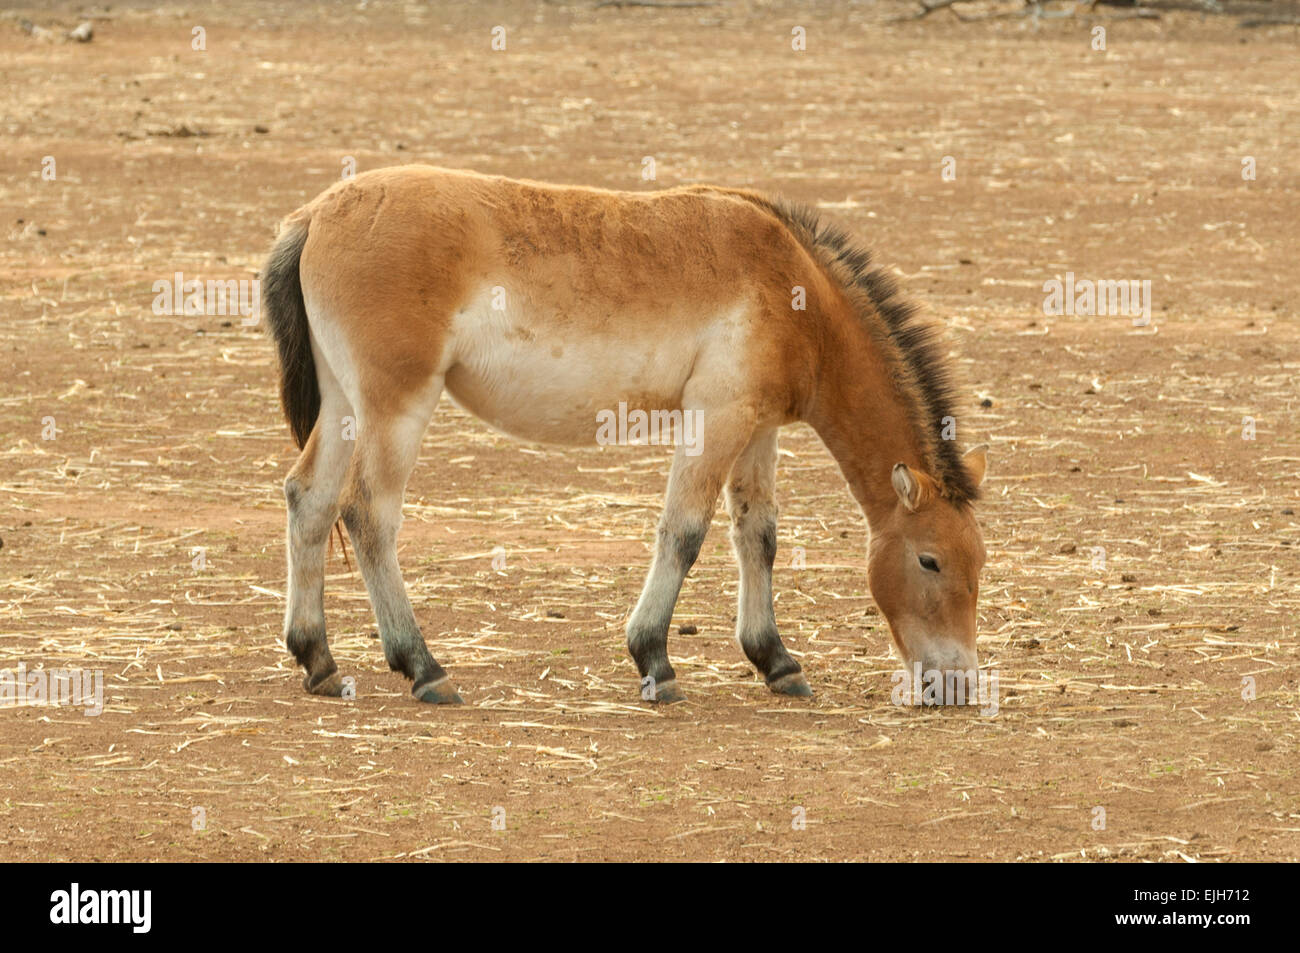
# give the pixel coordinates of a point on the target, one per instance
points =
(1125, 680)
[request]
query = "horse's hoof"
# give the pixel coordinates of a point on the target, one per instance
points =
(440, 692)
(665, 693)
(331, 685)
(792, 684)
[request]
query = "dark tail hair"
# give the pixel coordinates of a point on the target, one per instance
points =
(286, 315)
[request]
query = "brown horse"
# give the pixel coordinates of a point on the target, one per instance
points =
(541, 308)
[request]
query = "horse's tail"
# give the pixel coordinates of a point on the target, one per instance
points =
(286, 315)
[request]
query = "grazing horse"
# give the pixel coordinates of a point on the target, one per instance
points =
(541, 308)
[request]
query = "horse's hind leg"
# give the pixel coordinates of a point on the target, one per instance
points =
(312, 492)
(387, 448)
(751, 502)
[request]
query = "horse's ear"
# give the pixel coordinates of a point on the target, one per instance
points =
(976, 460)
(908, 485)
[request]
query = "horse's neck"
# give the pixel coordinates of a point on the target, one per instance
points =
(861, 417)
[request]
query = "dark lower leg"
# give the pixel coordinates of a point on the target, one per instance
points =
(754, 537)
(309, 647)
(372, 524)
(677, 546)
(753, 511)
(311, 492)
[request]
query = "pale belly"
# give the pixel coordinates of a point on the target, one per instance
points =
(552, 382)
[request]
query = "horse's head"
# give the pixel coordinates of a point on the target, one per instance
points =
(923, 568)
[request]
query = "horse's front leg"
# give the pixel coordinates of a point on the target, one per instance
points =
(696, 479)
(751, 502)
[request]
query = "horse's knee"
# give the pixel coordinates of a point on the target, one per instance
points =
(754, 535)
(683, 542)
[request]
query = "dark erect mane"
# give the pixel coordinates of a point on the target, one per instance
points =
(925, 376)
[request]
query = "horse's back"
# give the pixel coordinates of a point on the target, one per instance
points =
(542, 304)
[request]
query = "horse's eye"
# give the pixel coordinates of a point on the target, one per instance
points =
(928, 563)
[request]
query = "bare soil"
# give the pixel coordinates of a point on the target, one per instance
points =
(1123, 682)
